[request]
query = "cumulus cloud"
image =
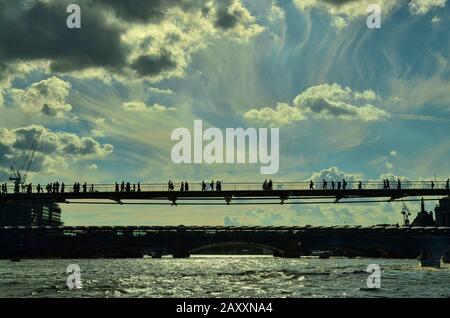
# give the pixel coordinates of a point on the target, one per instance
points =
(323, 102)
(392, 177)
(151, 39)
(47, 97)
(334, 173)
(142, 107)
(56, 148)
(266, 218)
(231, 221)
(282, 114)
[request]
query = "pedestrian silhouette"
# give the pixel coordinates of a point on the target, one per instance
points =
(311, 185)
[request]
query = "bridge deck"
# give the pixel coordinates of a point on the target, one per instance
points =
(282, 192)
(136, 230)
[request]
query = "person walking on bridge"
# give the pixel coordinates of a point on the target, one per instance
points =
(203, 186)
(344, 184)
(324, 184)
(447, 184)
(360, 185)
(270, 185)
(399, 184)
(117, 187)
(332, 184)
(311, 185)
(432, 185)
(85, 187)
(212, 185)
(63, 187)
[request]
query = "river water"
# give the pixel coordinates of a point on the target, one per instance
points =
(223, 276)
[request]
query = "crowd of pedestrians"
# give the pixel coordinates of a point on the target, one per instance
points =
(57, 187)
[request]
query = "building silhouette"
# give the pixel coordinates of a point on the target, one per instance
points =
(30, 214)
(442, 212)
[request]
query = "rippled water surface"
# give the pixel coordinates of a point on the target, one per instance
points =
(230, 276)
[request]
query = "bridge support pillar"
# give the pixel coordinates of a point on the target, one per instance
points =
(157, 254)
(292, 249)
(179, 250)
(181, 254)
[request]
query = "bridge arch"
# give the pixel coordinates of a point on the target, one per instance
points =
(274, 250)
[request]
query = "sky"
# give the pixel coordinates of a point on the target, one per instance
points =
(350, 101)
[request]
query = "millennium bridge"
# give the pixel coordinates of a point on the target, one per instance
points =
(235, 193)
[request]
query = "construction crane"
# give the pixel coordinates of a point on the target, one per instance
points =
(19, 174)
(406, 214)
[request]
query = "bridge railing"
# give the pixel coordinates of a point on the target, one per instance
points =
(243, 186)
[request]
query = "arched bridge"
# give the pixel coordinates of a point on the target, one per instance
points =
(180, 241)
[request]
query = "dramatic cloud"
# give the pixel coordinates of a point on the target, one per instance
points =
(47, 97)
(323, 102)
(151, 39)
(36, 30)
(56, 148)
